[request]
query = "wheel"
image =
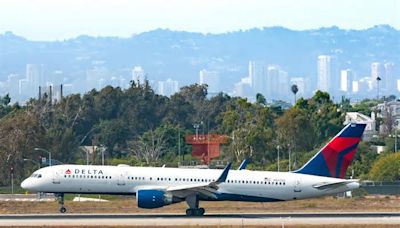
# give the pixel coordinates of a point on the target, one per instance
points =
(189, 212)
(201, 211)
(63, 210)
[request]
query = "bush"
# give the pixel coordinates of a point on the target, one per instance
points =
(386, 168)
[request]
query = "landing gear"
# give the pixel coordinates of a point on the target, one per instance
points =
(194, 210)
(60, 198)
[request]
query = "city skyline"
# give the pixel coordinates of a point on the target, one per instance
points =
(42, 19)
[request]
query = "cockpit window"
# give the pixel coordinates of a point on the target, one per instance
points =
(39, 176)
(36, 175)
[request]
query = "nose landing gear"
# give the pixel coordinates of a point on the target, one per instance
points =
(60, 199)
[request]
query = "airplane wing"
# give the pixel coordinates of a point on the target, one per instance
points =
(208, 189)
(324, 185)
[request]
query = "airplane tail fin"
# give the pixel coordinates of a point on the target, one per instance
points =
(336, 156)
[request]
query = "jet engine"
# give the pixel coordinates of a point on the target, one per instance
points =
(154, 198)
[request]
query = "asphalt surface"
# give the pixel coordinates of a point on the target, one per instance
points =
(173, 219)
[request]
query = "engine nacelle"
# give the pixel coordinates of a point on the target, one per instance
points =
(151, 198)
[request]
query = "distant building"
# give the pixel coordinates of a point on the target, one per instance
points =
(168, 87)
(35, 77)
(243, 88)
(391, 80)
(210, 78)
(356, 117)
(258, 77)
(272, 82)
(376, 70)
(390, 110)
(324, 71)
(138, 75)
(346, 80)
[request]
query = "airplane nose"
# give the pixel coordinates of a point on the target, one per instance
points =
(25, 184)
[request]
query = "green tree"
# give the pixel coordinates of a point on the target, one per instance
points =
(386, 168)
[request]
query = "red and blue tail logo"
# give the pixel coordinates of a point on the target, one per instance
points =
(336, 156)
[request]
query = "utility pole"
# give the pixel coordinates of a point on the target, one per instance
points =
(278, 147)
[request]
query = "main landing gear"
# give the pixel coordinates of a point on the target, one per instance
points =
(60, 199)
(194, 210)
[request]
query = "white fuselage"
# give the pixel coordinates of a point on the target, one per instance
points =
(243, 185)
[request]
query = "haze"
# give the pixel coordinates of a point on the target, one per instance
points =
(61, 19)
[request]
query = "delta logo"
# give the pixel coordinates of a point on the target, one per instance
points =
(68, 171)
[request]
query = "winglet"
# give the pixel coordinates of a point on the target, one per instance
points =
(224, 174)
(243, 164)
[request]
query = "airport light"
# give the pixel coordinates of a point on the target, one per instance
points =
(41, 149)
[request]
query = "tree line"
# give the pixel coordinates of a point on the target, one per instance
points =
(139, 127)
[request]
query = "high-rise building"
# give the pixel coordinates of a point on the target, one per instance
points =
(346, 80)
(258, 76)
(390, 78)
(210, 78)
(272, 81)
(168, 87)
(243, 88)
(376, 70)
(324, 70)
(138, 75)
(35, 78)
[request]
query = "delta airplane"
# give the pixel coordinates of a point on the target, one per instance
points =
(156, 187)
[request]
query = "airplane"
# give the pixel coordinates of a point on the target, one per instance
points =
(156, 187)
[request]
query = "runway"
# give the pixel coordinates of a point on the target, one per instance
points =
(327, 218)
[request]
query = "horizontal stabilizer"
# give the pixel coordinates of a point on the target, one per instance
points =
(324, 185)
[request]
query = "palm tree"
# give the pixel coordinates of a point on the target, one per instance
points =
(294, 89)
(377, 81)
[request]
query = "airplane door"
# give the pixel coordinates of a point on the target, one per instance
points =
(297, 185)
(57, 176)
(121, 178)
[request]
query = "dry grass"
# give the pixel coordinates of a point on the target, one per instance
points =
(128, 205)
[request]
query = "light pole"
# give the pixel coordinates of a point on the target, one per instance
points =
(289, 156)
(41, 149)
(196, 126)
(12, 174)
(278, 147)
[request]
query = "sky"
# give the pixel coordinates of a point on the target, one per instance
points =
(63, 19)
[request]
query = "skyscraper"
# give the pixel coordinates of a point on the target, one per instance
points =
(324, 70)
(35, 78)
(138, 75)
(258, 76)
(346, 80)
(390, 78)
(272, 82)
(376, 70)
(210, 78)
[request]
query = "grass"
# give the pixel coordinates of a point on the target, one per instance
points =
(7, 190)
